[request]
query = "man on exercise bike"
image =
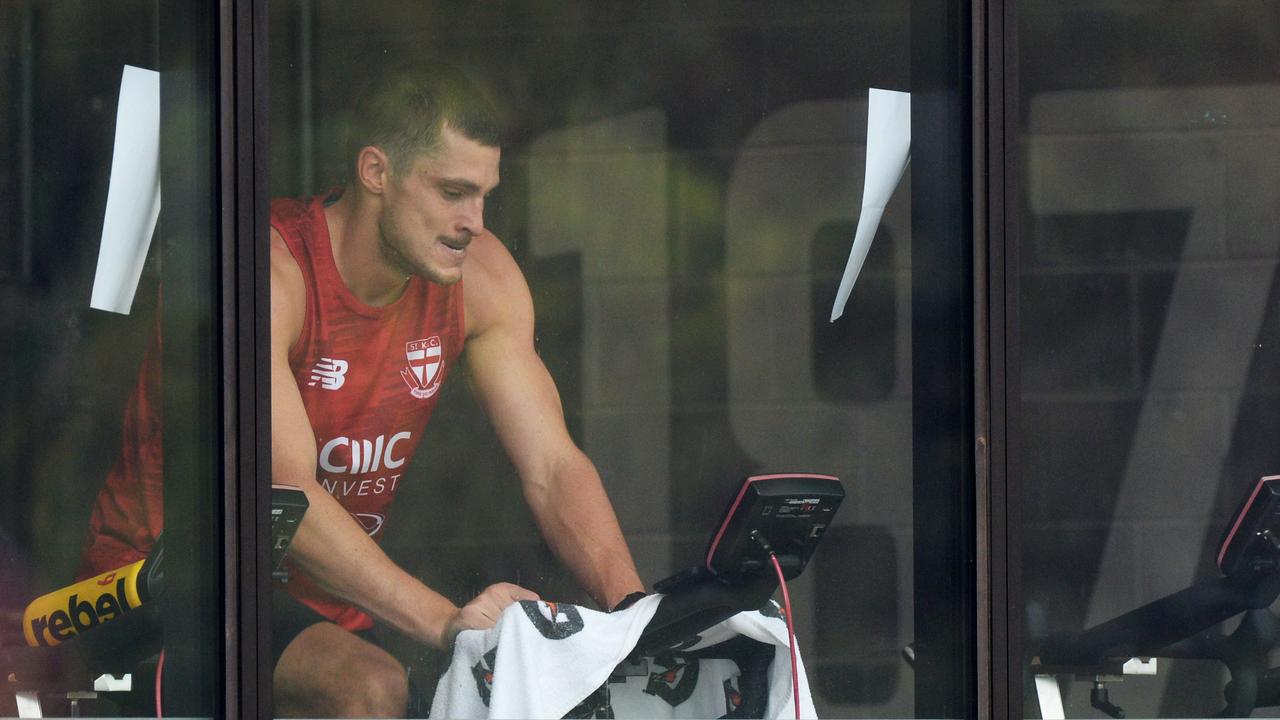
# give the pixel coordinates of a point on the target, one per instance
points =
(375, 288)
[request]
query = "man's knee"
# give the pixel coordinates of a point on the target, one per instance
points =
(377, 688)
(328, 672)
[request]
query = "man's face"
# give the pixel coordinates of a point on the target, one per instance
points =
(434, 207)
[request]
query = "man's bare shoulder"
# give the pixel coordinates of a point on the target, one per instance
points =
(288, 294)
(494, 288)
(282, 260)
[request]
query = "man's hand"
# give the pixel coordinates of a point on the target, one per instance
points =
(484, 610)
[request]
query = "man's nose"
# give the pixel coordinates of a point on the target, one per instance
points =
(472, 218)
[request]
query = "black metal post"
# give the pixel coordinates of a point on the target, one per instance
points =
(246, 390)
(943, 360)
(192, 606)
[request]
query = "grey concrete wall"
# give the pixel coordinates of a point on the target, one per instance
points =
(681, 191)
(672, 428)
(1148, 306)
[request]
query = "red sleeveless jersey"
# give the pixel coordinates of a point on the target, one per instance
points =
(369, 377)
(128, 513)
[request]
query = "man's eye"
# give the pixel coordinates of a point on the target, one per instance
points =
(452, 194)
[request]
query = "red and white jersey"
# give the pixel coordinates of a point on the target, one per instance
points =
(128, 514)
(370, 378)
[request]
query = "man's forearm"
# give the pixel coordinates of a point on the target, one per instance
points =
(578, 522)
(339, 557)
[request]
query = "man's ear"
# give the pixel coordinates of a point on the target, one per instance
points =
(373, 169)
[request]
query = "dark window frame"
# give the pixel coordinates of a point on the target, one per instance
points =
(945, 276)
(974, 59)
(996, 353)
(245, 256)
(192, 320)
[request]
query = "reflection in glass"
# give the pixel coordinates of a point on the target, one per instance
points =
(70, 375)
(1147, 273)
(680, 186)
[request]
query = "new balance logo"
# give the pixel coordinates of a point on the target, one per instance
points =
(329, 373)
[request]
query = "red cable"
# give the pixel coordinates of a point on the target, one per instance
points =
(791, 633)
(159, 681)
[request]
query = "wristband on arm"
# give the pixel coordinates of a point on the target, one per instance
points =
(628, 601)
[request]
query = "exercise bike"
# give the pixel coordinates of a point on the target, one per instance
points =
(692, 654)
(766, 536)
(117, 610)
(1180, 625)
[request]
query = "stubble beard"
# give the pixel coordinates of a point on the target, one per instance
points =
(392, 247)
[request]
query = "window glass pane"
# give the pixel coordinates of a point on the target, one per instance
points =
(89, 92)
(1147, 267)
(680, 187)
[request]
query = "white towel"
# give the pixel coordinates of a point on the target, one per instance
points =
(543, 659)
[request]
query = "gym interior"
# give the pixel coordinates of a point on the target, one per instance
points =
(1050, 396)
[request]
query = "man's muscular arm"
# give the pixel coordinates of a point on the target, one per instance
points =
(560, 484)
(330, 546)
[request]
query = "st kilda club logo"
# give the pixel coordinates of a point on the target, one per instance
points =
(554, 621)
(674, 679)
(483, 673)
(425, 359)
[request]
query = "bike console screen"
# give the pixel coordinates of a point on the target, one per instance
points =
(1253, 537)
(787, 514)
